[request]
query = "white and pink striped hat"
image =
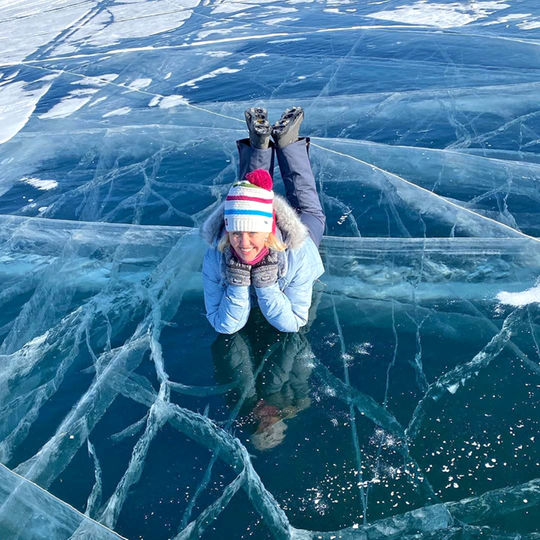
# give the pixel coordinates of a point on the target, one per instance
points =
(249, 204)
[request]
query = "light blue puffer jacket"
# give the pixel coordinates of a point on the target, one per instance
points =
(285, 304)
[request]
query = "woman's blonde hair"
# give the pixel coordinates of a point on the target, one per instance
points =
(272, 243)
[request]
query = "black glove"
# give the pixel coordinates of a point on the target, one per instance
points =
(236, 272)
(265, 272)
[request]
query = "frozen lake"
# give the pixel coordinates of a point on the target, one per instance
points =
(407, 409)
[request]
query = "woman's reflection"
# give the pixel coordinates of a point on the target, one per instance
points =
(270, 372)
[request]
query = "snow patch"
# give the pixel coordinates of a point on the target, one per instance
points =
(38, 183)
(100, 80)
(117, 112)
(231, 7)
(65, 108)
(16, 106)
(139, 84)
(529, 25)
(287, 40)
(523, 298)
(280, 20)
(172, 101)
(220, 71)
(450, 15)
(39, 28)
(99, 100)
(83, 92)
(138, 19)
(220, 31)
(218, 54)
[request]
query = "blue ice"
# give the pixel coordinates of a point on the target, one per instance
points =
(410, 407)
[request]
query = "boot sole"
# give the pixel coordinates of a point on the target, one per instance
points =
(290, 118)
(257, 121)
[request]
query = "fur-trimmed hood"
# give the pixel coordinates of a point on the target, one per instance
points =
(293, 231)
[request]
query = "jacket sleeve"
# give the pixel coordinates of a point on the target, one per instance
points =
(227, 306)
(288, 310)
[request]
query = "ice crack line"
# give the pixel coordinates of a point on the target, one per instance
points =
(24, 482)
(451, 380)
(251, 37)
(227, 427)
(354, 427)
(440, 197)
(374, 167)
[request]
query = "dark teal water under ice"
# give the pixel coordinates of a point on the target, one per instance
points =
(407, 409)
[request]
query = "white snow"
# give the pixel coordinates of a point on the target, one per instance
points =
(172, 101)
(523, 298)
(524, 21)
(38, 183)
(65, 108)
(83, 92)
(16, 106)
(280, 20)
(221, 31)
(451, 15)
(218, 54)
(118, 112)
(530, 25)
(99, 100)
(231, 7)
(102, 80)
(139, 84)
(220, 71)
(40, 27)
(287, 40)
(138, 19)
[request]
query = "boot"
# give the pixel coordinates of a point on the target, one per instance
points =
(259, 127)
(285, 130)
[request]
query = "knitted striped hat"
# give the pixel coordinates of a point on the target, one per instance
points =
(249, 204)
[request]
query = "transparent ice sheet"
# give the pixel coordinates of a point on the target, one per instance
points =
(409, 407)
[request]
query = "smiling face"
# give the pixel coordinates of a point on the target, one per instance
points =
(247, 244)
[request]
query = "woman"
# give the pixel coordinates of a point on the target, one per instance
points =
(264, 248)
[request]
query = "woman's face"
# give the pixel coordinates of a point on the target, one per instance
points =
(247, 244)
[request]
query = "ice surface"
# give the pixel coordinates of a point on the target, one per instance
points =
(31, 512)
(409, 407)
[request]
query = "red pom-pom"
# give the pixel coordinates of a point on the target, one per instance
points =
(261, 178)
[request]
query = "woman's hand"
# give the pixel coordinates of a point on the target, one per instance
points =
(265, 272)
(236, 273)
